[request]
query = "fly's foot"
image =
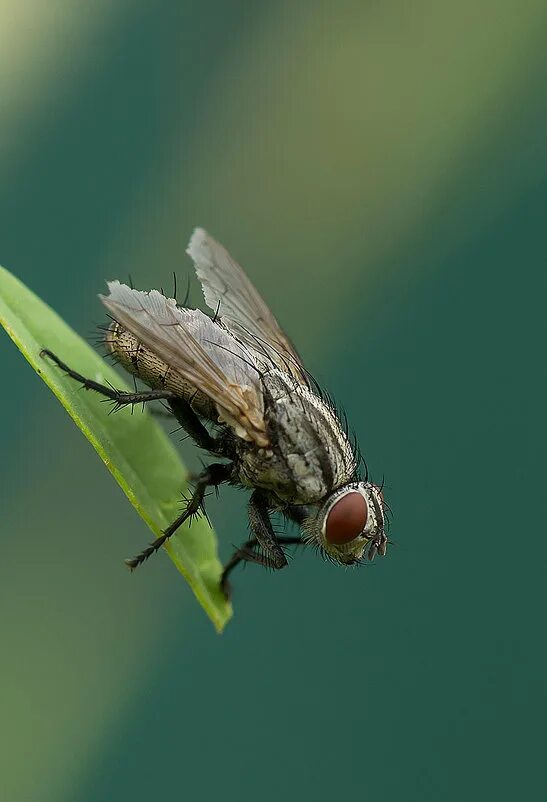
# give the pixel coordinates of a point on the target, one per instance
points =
(226, 587)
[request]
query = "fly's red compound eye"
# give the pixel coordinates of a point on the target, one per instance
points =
(346, 519)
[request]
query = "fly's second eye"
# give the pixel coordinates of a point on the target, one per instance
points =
(346, 519)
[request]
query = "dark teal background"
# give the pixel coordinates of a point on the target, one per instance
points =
(380, 172)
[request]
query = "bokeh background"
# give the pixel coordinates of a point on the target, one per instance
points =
(379, 168)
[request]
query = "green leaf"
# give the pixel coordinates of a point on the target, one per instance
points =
(134, 448)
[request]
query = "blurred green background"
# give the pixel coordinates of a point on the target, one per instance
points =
(379, 169)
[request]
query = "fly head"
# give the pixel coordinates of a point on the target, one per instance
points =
(350, 521)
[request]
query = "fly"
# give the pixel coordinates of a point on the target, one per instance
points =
(237, 386)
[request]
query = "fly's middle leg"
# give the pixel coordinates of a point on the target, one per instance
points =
(119, 398)
(211, 476)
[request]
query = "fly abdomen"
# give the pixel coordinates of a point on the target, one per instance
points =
(139, 360)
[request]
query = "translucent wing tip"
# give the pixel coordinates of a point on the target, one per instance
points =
(197, 248)
(115, 290)
(126, 298)
(112, 288)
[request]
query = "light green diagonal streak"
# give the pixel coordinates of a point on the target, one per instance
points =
(338, 130)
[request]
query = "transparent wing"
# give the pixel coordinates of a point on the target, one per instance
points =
(199, 350)
(228, 292)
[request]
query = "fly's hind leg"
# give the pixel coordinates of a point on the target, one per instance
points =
(166, 414)
(192, 425)
(118, 397)
(180, 408)
(211, 476)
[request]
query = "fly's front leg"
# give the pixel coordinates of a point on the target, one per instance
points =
(297, 513)
(211, 476)
(119, 397)
(248, 553)
(261, 527)
(273, 555)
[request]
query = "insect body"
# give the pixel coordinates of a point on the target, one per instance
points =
(237, 386)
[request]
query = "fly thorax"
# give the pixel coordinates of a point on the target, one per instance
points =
(309, 438)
